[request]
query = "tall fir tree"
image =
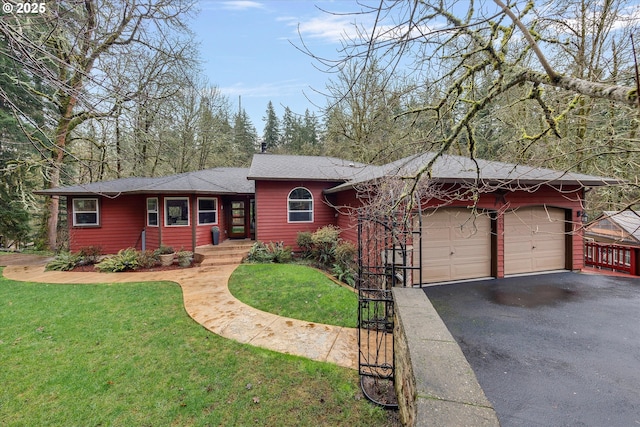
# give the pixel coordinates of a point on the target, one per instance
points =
(244, 138)
(18, 157)
(271, 136)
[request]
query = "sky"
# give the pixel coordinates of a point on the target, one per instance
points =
(247, 51)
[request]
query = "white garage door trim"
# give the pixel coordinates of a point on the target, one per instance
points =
(456, 245)
(534, 240)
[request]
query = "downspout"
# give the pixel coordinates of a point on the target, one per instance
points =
(194, 224)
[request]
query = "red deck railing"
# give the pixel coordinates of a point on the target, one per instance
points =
(613, 257)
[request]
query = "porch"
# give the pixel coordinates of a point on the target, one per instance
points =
(615, 258)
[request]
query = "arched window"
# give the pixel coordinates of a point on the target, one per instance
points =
(300, 205)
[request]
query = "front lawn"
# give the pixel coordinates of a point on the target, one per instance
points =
(128, 354)
(295, 291)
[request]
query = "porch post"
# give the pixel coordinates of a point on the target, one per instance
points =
(160, 219)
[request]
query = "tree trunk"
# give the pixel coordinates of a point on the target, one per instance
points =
(54, 202)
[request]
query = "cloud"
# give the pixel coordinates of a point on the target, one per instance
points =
(239, 5)
(265, 90)
(336, 28)
(326, 27)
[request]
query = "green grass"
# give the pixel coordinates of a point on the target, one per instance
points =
(295, 291)
(128, 355)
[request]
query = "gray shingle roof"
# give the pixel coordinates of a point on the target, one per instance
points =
(316, 168)
(448, 168)
(628, 220)
(209, 181)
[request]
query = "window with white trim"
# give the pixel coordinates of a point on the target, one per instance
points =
(207, 210)
(300, 205)
(152, 211)
(176, 211)
(85, 212)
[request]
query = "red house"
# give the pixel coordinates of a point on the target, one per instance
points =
(178, 210)
(481, 219)
(619, 228)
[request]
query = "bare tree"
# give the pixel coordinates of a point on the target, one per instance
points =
(361, 122)
(531, 81)
(69, 49)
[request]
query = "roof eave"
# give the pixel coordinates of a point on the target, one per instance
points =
(50, 192)
(262, 178)
(516, 183)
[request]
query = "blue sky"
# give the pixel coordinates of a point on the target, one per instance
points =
(247, 51)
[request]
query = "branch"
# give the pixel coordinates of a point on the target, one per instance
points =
(624, 94)
(527, 35)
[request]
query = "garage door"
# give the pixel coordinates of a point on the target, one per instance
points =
(456, 245)
(534, 240)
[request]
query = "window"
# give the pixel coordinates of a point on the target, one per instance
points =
(152, 211)
(85, 212)
(176, 211)
(300, 205)
(207, 210)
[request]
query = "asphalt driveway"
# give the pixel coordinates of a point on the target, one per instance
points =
(558, 349)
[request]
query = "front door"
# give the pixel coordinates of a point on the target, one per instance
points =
(238, 226)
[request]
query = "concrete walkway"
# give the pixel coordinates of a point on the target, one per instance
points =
(208, 301)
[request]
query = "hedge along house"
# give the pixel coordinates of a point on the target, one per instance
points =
(479, 218)
(177, 211)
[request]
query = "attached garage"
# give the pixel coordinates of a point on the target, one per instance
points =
(534, 240)
(456, 245)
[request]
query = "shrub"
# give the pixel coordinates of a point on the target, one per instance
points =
(344, 274)
(272, 252)
(147, 259)
(90, 255)
(164, 250)
(325, 241)
(184, 258)
(304, 240)
(64, 261)
(345, 266)
(345, 254)
(124, 260)
(259, 253)
(281, 253)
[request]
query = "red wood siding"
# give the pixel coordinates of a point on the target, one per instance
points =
(271, 211)
(123, 218)
(153, 237)
(181, 237)
(121, 222)
(348, 219)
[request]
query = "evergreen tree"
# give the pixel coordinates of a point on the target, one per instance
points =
(271, 134)
(310, 137)
(244, 138)
(292, 140)
(17, 155)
